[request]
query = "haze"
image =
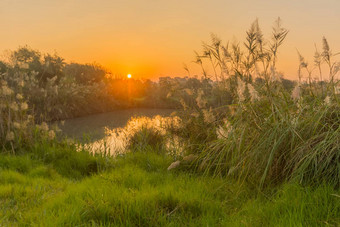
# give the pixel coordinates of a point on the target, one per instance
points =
(150, 38)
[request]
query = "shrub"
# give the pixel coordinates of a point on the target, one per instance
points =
(146, 139)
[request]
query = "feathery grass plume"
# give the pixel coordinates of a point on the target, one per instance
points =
(19, 96)
(275, 76)
(208, 116)
(185, 67)
(337, 90)
(200, 63)
(302, 64)
(251, 45)
(259, 34)
(51, 134)
(43, 126)
(55, 89)
(318, 61)
(327, 57)
(327, 100)
(6, 91)
(254, 96)
(200, 100)
(224, 130)
(195, 114)
(296, 92)
(278, 36)
(209, 51)
(16, 125)
(184, 104)
(10, 136)
(24, 106)
(336, 68)
(14, 106)
(326, 51)
(236, 57)
(260, 52)
(214, 53)
(232, 60)
(21, 83)
(241, 86)
(221, 132)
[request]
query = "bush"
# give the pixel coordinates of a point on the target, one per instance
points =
(146, 139)
(85, 73)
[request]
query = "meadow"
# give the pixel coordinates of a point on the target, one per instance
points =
(255, 149)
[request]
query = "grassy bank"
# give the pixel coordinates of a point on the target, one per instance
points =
(53, 185)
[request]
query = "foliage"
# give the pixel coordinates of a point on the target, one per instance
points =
(15, 124)
(55, 90)
(146, 138)
(85, 73)
(29, 60)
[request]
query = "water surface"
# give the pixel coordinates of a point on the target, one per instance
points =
(96, 126)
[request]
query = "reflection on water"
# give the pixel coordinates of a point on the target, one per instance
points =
(115, 141)
(95, 125)
(110, 132)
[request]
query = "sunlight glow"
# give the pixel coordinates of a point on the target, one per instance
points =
(129, 76)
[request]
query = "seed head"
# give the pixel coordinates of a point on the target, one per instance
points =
(253, 93)
(24, 106)
(14, 106)
(10, 136)
(51, 134)
(296, 92)
(19, 96)
(208, 116)
(16, 125)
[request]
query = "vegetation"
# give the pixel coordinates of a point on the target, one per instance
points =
(250, 148)
(54, 90)
(52, 188)
(146, 138)
(270, 133)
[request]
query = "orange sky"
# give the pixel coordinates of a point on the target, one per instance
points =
(152, 38)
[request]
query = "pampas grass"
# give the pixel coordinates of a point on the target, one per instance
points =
(274, 134)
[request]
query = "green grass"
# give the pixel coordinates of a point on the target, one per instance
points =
(270, 148)
(39, 188)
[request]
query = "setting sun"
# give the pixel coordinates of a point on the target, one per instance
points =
(231, 117)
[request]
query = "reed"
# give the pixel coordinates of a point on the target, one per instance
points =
(271, 133)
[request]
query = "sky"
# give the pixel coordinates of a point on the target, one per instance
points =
(153, 38)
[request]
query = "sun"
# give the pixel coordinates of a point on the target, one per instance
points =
(129, 76)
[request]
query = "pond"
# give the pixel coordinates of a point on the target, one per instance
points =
(108, 132)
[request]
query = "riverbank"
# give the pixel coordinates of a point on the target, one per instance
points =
(53, 185)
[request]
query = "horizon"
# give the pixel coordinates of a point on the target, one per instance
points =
(154, 39)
